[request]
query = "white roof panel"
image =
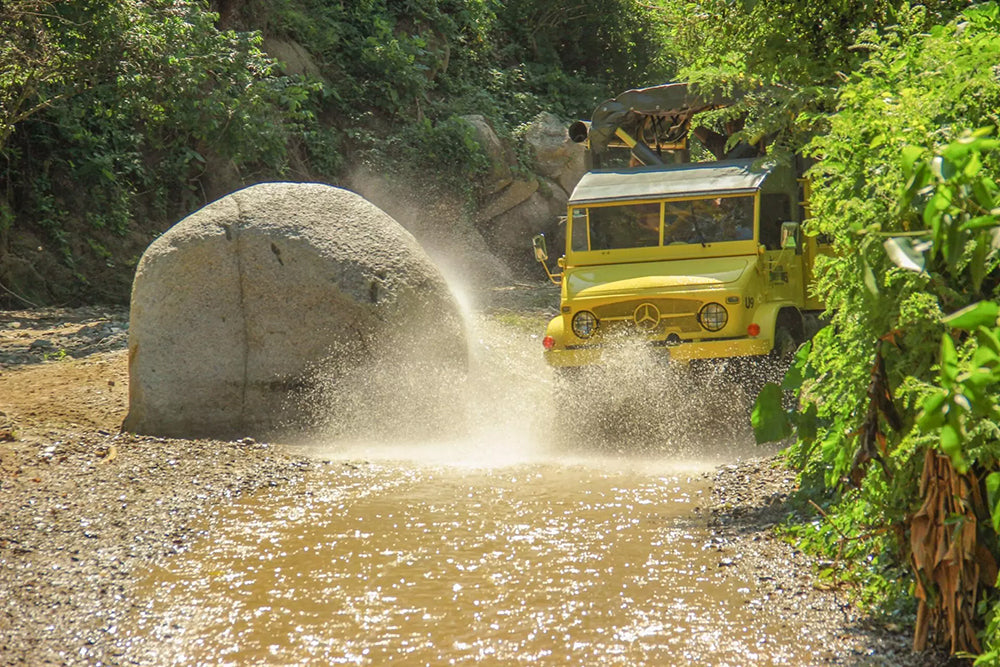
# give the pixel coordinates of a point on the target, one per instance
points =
(671, 181)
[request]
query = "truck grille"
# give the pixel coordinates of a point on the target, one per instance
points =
(680, 314)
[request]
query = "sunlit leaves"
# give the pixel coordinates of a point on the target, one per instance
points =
(47, 51)
(958, 199)
(906, 184)
(968, 384)
(142, 93)
(981, 313)
(993, 498)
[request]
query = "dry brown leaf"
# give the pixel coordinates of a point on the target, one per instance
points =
(948, 562)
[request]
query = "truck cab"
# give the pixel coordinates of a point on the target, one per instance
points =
(701, 260)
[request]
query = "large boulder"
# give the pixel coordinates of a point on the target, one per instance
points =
(517, 192)
(500, 155)
(238, 308)
(292, 57)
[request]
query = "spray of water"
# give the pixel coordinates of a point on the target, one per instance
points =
(636, 402)
(508, 406)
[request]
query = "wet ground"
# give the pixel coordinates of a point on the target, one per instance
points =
(577, 563)
(497, 547)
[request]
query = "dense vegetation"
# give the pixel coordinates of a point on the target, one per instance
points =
(897, 429)
(897, 426)
(118, 116)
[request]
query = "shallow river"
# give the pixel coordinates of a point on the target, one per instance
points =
(500, 545)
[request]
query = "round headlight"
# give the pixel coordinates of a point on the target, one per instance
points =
(713, 316)
(584, 324)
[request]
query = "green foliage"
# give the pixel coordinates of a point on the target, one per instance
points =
(859, 178)
(144, 92)
(121, 114)
(45, 44)
(400, 66)
(789, 57)
(769, 420)
(865, 560)
(429, 145)
(616, 42)
(906, 186)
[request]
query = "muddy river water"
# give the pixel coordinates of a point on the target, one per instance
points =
(493, 547)
(585, 562)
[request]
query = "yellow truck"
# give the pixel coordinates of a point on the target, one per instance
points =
(701, 260)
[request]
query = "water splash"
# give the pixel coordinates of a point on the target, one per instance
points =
(510, 407)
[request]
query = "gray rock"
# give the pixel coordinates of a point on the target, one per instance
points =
(556, 156)
(294, 59)
(236, 307)
(510, 233)
(40, 345)
(514, 194)
(500, 155)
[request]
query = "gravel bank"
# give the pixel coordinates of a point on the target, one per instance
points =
(749, 500)
(84, 514)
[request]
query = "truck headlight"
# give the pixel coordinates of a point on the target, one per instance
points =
(713, 316)
(584, 324)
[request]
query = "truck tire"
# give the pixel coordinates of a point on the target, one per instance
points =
(785, 346)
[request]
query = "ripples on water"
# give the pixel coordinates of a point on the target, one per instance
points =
(582, 563)
(542, 528)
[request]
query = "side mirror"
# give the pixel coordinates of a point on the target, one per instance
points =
(538, 243)
(790, 236)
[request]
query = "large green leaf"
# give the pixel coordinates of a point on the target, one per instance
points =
(982, 313)
(949, 361)
(952, 440)
(993, 498)
(910, 155)
(932, 413)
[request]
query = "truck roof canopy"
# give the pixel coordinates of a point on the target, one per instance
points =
(691, 179)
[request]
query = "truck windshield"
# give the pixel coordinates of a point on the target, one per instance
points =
(713, 220)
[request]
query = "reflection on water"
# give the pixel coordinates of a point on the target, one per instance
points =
(550, 524)
(584, 563)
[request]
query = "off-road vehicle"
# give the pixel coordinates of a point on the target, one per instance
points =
(701, 260)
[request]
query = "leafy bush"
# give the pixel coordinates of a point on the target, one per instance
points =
(899, 392)
(166, 89)
(788, 57)
(118, 113)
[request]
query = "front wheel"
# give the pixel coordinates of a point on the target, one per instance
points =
(784, 348)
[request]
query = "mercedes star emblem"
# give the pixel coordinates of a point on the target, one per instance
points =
(646, 317)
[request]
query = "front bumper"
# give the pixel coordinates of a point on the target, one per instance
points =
(585, 355)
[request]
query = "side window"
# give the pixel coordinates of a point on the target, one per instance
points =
(775, 208)
(579, 230)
